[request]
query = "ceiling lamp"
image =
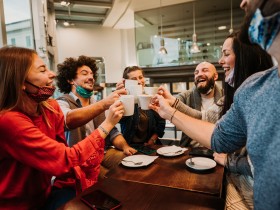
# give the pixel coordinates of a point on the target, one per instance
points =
(65, 3)
(66, 23)
(231, 28)
(194, 47)
(162, 49)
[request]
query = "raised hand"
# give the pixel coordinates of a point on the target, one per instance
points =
(114, 96)
(115, 113)
(161, 106)
(166, 94)
(120, 85)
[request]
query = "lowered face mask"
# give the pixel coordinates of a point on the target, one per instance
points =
(263, 30)
(43, 93)
(230, 78)
(82, 91)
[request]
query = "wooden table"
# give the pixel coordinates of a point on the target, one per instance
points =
(149, 197)
(173, 173)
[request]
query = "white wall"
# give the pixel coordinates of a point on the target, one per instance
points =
(115, 45)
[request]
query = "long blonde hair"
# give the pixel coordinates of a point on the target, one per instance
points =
(15, 63)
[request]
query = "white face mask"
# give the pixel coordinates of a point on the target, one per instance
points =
(230, 78)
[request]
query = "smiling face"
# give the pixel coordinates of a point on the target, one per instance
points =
(84, 78)
(228, 57)
(38, 75)
(205, 75)
(137, 75)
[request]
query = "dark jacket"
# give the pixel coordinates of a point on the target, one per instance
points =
(129, 125)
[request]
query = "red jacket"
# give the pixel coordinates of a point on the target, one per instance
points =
(31, 153)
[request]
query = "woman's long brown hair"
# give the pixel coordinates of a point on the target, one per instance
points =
(15, 63)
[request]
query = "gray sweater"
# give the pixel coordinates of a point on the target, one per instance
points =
(190, 104)
(254, 116)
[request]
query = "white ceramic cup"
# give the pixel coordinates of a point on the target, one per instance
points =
(135, 90)
(150, 90)
(128, 103)
(144, 101)
(129, 82)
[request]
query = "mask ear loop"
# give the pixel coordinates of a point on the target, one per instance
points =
(31, 84)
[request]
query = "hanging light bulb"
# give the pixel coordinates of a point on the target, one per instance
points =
(162, 49)
(194, 47)
(231, 28)
(65, 3)
(66, 23)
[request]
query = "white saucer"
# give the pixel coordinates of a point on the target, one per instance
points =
(171, 151)
(201, 163)
(143, 159)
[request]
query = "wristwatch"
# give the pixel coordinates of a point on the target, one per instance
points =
(154, 140)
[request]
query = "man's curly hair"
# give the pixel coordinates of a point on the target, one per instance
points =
(67, 71)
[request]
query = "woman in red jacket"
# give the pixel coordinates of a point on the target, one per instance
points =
(32, 141)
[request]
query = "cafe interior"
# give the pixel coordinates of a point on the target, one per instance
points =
(167, 39)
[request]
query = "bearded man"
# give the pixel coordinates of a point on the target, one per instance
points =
(202, 96)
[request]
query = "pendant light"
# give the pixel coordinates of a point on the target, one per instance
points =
(162, 49)
(231, 28)
(67, 23)
(65, 3)
(194, 47)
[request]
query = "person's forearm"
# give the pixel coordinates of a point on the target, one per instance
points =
(120, 143)
(196, 129)
(79, 117)
(188, 110)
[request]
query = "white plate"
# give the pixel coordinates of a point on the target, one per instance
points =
(171, 151)
(144, 159)
(201, 163)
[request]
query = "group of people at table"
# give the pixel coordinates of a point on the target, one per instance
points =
(66, 138)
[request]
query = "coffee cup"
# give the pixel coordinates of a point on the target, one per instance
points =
(129, 82)
(128, 103)
(150, 90)
(135, 90)
(144, 101)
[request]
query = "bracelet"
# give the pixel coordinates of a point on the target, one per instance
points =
(103, 129)
(175, 103)
(173, 115)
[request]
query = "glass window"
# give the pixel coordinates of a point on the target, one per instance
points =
(179, 87)
(28, 41)
(165, 85)
(13, 41)
(18, 23)
(173, 27)
(191, 85)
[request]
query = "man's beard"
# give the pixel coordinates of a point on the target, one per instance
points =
(205, 89)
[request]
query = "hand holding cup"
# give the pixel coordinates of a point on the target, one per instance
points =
(114, 113)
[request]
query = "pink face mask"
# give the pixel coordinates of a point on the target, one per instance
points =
(43, 93)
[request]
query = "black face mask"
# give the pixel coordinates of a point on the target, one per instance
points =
(43, 93)
(207, 88)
